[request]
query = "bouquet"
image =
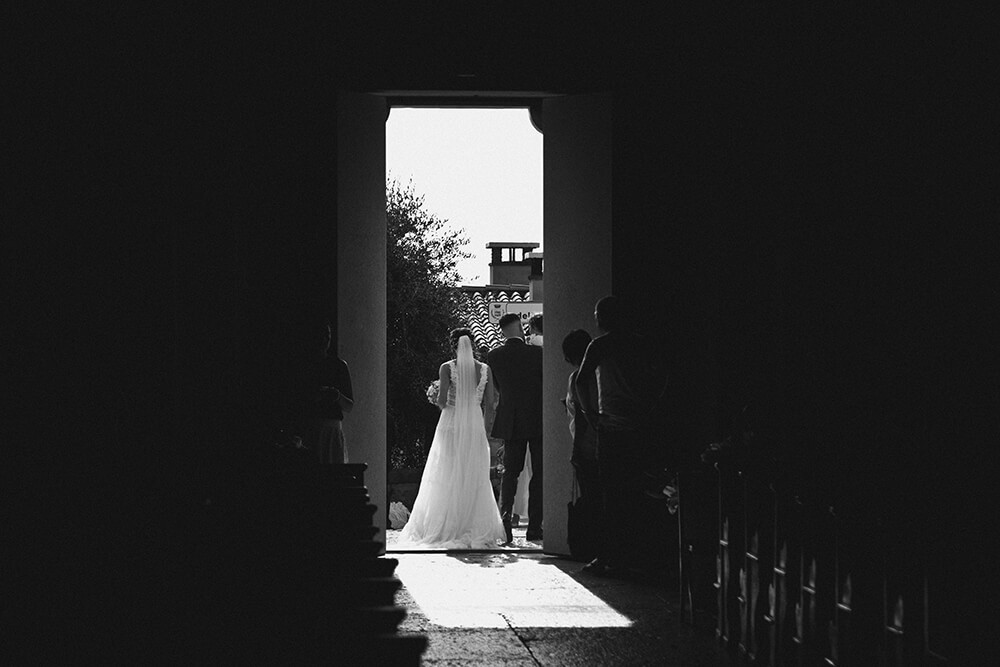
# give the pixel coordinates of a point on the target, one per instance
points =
(496, 471)
(432, 392)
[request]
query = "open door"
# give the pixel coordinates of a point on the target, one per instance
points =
(577, 245)
(361, 318)
(577, 242)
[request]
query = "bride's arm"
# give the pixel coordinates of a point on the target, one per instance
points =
(489, 401)
(586, 377)
(444, 380)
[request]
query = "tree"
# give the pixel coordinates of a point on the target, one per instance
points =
(421, 305)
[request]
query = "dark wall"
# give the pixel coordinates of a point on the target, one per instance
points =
(795, 202)
(794, 189)
(191, 181)
(787, 208)
(172, 235)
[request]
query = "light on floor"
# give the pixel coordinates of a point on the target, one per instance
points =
(505, 590)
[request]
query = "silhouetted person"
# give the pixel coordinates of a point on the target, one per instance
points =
(584, 532)
(629, 382)
(522, 505)
(517, 370)
(535, 330)
(496, 444)
(328, 396)
(584, 458)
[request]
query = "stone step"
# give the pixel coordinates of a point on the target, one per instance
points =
(368, 591)
(377, 567)
(352, 551)
(392, 649)
(323, 537)
(375, 620)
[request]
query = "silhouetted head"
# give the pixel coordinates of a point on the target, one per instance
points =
(574, 346)
(535, 324)
(608, 314)
(456, 334)
(322, 335)
(510, 326)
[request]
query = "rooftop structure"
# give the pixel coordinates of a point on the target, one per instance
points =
(510, 263)
(516, 272)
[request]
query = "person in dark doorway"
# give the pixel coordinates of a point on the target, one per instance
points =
(584, 458)
(522, 505)
(630, 382)
(583, 529)
(328, 397)
(517, 371)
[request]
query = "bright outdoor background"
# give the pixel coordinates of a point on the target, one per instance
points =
(480, 169)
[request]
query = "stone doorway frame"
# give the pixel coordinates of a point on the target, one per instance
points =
(577, 237)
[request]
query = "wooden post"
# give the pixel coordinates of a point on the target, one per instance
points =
(722, 563)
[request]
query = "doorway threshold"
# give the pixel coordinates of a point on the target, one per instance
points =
(519, 545)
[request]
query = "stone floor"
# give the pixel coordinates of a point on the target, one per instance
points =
(520, 543)
(524, 608)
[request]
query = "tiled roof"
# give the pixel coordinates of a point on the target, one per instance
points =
(473, 309)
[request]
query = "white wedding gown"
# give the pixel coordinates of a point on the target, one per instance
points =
(455, 507)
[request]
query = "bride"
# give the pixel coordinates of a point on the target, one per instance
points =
(455, 507)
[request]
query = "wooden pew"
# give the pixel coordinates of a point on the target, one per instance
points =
(758, 568)
(697, 516)
(816, 567)
(731, 554)
(784, 588)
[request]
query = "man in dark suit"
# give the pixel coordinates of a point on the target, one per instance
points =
(630, 381)
(517, 373)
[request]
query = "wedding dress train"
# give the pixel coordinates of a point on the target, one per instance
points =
(455, 507)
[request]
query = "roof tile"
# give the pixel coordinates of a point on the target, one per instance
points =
(473, 308)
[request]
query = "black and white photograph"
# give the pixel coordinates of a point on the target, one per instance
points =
(500, 334)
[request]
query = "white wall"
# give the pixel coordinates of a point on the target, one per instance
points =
(577, 244)
(361, 281)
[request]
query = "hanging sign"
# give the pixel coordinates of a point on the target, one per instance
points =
(525, 309)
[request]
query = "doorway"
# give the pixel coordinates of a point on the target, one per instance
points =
(577, 237)
(464, 226)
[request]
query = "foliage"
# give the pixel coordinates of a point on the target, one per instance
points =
(421, 291)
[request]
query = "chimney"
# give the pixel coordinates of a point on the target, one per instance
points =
(510, 264)
(535, 292)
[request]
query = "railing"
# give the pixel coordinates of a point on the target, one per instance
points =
(804, 573)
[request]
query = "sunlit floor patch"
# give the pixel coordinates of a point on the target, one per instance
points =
(393, 544)
(502, 590)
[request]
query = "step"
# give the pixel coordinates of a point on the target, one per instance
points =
(389, 649)
(375, 619)
(364, 592)
(381, 566)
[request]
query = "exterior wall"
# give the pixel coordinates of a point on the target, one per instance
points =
(510, 273)
(536, 290)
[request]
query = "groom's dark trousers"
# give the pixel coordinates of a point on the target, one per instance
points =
(513, 463)
(516, 369)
